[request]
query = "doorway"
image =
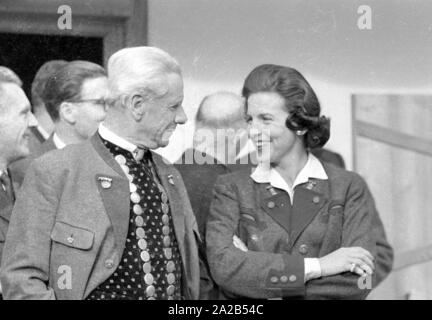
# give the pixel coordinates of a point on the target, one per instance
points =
(26, 53)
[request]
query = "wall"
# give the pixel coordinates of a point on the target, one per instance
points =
(219, 42)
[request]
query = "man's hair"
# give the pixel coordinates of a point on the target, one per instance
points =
(7, 75)
(66, 84)
(139, 70)
(220, 110)
(40, 79)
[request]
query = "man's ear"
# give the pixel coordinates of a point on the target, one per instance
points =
(67, 112)
(137, 106)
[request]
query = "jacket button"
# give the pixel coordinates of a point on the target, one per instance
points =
(109, 263)
(303, 249)
(292, 278)
(284, 279)
(274, 280)
(70, 240)
(271, 204)
(316, 199)
(254, 237)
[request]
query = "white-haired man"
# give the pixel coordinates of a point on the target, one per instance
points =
(107, 218)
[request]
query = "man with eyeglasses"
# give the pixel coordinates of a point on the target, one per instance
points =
(75, 100)
(74, 97)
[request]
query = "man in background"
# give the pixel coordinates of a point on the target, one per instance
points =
(220, 133)
(15, 120)
(74, 98)
(45, 123)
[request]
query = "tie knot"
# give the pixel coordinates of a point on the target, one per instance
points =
(139, 153)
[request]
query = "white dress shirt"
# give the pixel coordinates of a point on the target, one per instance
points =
(59, 144)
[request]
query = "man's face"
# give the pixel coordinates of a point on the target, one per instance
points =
(91, 111)
(15, 120)
(161, 115)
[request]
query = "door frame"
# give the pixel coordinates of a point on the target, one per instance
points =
(119, 23)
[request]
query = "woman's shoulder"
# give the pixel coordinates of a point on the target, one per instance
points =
(342, 178)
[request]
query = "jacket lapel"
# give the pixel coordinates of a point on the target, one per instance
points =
(170, 180)
(114, 192)
(277, 206)
(309, 199)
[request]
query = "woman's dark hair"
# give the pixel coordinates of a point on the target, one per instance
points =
(300, 99)
(66, 84)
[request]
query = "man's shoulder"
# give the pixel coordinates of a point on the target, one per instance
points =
(69, 156)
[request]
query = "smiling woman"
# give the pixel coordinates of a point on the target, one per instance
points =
(295, 227)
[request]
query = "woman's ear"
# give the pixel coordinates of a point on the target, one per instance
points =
(137, 106)
(67, 112)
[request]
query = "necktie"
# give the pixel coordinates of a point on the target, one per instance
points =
(7, 185)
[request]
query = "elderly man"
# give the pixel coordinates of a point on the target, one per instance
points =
(15, 120)
(108, 218)
(74, 97)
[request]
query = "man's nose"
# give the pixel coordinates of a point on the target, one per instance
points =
(181, 116)
(32, 120)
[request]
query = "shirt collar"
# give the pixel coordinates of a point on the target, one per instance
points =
(312, 169)
(112, 137)
(58, 142)
(42, 131)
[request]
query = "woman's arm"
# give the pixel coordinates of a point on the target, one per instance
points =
(250, 274)
(356, 232)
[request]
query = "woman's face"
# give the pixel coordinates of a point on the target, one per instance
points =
(266, 116)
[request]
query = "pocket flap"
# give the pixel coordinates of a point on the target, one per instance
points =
(71, 236)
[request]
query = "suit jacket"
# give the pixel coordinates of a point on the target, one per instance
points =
(326, 215)
(19, 168)
(66, 228)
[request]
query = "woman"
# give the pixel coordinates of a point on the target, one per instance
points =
(295, 227)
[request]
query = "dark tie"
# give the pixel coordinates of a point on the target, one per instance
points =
(6, 185)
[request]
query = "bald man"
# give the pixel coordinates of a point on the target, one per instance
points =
(220, 132)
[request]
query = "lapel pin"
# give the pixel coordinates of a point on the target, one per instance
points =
(105, 182)
(171, 179)
(310, 185)
(271, 190)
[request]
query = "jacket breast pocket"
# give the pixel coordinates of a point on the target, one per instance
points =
(71, 236)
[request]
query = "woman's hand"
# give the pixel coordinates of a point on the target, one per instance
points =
(353, 259)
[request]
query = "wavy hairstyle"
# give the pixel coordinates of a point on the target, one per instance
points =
(300, 99)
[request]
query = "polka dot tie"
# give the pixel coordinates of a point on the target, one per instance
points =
(150, 267)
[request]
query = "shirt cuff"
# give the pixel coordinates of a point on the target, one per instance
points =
(312, 269)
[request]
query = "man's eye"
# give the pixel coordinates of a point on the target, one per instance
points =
(248, 119)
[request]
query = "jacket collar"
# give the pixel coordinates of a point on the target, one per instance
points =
(313, 169)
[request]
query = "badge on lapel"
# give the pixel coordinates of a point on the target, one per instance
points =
(170, 179)
(105, 182)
